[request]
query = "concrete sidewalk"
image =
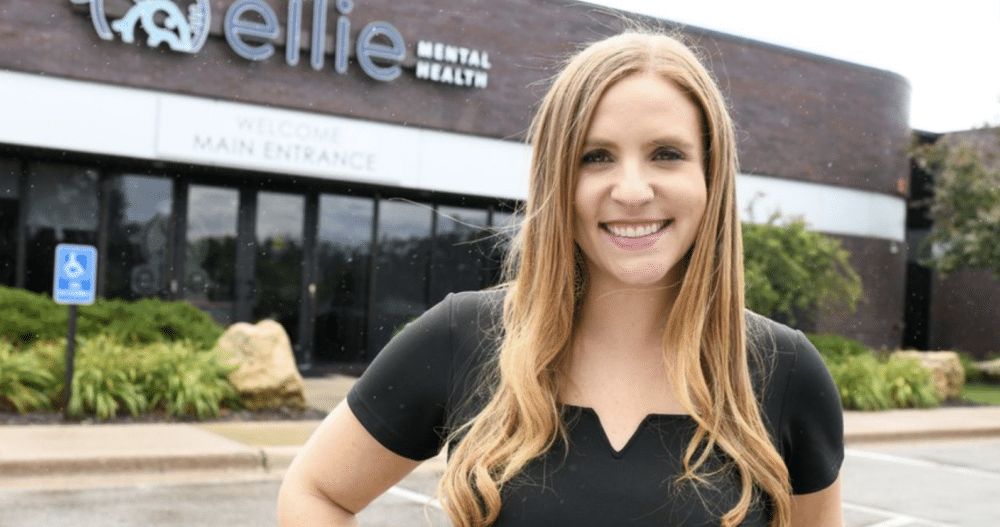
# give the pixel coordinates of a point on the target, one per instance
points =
(36, 453)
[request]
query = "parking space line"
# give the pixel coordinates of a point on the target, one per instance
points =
(416, 497)
(893, 516)
(913, 462)
(898, 521)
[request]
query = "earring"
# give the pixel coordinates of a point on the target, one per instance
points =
(579, 274)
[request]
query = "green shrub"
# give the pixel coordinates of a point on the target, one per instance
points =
(867, 383)
(27, 382)
(182, 381)
(836, 348)
(106, 379)
(27, 317)
(110, 378)
(790, 271)
(175, 378)
(910, 383)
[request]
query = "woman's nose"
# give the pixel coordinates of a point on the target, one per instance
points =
(631, 187)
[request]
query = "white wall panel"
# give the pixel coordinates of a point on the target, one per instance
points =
(56, 113)
(825, 208)
(88, 117)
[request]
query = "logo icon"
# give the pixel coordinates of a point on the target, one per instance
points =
(162, 21)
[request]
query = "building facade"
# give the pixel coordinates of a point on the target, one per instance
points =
(959, 310)
(341, 166)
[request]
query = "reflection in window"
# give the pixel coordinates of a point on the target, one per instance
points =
(461, 248)
(278, 270)
(211, 250)
(343, 250)
(10, 170)
(505, 227)
(62, 208)
(138, 237)
(401, 268)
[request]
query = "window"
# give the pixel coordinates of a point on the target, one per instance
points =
(462, 244)
(401, 266)
(211, 250)
(343, 252)
(10, 171)
(278, 269)
(138, 262)
(62, 208)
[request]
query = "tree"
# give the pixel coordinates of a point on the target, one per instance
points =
(965, 205)
(792, 272)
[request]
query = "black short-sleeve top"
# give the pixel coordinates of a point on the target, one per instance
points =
(428, 379)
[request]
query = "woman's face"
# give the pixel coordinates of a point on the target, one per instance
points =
(640, 192)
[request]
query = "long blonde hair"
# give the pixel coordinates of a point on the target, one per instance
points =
(704, 332)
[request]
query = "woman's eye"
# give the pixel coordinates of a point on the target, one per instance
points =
(667, 154)
(596, 156)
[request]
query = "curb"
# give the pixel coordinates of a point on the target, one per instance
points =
(108, 465)
(929, 435)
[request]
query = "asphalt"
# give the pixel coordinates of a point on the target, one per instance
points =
(81, 454)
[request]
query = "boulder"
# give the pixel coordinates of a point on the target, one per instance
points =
(266, 376)
(946, 370)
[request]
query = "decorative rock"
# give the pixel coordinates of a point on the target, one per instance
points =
(945, 367)
(266, 376)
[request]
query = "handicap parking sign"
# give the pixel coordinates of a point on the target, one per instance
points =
(75, 280)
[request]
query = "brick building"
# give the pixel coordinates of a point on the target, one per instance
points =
(960, 310)
(339, 166)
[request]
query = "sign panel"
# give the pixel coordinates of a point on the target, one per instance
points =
(75, 274)
(237, 135)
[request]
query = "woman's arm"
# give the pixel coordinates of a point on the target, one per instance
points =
(339, 471)
(819, 509)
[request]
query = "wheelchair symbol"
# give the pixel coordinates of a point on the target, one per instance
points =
(73, 268)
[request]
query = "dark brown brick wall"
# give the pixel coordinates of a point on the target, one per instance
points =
(965, 313)
(878, 319)
(814, 119)
(799, 116)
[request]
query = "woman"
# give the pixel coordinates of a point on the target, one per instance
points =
(616, 378)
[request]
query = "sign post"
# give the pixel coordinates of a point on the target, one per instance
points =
(74, 283)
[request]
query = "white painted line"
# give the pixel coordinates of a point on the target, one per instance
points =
(899, 521)
(894, 516)
(888, 458)
(415, 497)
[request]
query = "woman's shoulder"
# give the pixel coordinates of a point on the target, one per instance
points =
(783, 362)
(770, 337)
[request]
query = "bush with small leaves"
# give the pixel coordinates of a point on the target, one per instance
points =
(866, 382)
(26, 318)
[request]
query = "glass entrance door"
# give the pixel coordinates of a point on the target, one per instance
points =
(279, 256)
(209, 279)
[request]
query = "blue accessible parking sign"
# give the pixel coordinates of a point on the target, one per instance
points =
(75, 280)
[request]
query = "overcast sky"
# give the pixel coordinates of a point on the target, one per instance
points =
(948, 50)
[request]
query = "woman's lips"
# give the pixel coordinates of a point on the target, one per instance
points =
(635, 236)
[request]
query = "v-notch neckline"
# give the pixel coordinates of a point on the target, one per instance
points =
(643, 424)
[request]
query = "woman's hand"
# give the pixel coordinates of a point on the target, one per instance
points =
(338, 472)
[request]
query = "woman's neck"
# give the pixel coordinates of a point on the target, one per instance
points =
(624, 318)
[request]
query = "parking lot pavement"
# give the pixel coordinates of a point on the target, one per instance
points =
(941, 483)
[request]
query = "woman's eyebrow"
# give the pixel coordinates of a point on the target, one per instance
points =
(598, 143)
(674, 141)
